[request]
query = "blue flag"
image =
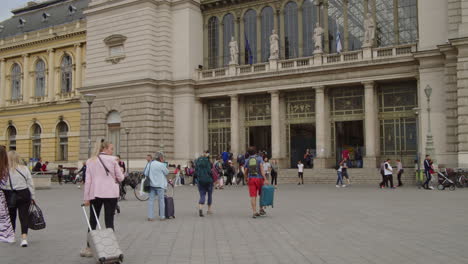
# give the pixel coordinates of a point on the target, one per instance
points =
(249, 51)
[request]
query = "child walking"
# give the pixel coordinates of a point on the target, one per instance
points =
(300, 172)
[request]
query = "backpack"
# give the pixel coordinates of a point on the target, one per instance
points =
(253, 165)
(241, 159)
(203, 171)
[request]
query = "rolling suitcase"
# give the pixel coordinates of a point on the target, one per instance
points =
(103, 242)
(169, 210)
(267, 196)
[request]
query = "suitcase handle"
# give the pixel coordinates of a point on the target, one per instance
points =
(87, 219)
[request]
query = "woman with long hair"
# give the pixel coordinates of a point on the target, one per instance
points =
(6, 230)
(103, 175)
(20, 182)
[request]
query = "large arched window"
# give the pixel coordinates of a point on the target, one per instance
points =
(309, 19)
(62, 141)
(267, 28)
(36, 141)
(290, 31)
(113, 130)
(40, 79)
(228, 32)
(15, 82)
(66, 69)
(250, 35)
(335, 25)
(11, 137)
(385, 22)
(213, 42)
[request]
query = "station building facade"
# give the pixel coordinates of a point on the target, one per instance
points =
(161, 68)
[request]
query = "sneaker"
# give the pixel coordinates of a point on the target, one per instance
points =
(255, 215)
(86, 253)
(337, 186)
(431, 188)
(343, 186)
(150, 219)
(200, 213)
(262, 212)
(24, 243)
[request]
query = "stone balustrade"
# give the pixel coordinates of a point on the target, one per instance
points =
(366, 54)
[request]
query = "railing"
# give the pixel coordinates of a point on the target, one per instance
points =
(39, 99)
(366, 54)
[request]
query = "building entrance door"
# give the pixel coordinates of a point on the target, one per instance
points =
(302, 138)
(260, 137)
(350, 137)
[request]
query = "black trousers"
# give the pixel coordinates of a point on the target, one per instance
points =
(301, 177)
(389, 178)
(23, 201)
(383, 183)
(274, 178)
(399, 178)
(229, 179)
(109, 204)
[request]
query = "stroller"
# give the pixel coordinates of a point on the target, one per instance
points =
(444, 181)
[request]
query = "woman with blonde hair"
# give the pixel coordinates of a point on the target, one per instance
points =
(103, 175)
(20, 185)
(6, 230)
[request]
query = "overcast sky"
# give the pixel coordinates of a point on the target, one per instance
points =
(7, 5)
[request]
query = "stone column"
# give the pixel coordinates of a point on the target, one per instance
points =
(235, 125)
(205, 127)
(3, 87)
(78, 65)
(50, 75)
(205, 45)
(198, 128)
(321, 128)
(26, 93)
(370, 119)
(275, 126)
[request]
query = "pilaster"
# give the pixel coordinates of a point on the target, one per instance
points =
(275, 125)
(370, 119)
(235, 125)
(26, 93)
(2, 82)
(50, 75)
(78, 66)
(322, 126)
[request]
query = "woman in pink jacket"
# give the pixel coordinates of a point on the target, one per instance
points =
(103, 176)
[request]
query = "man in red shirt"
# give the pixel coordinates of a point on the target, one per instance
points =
(44, 166)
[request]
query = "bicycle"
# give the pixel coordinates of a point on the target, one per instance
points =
(461, 178)
(138, 178)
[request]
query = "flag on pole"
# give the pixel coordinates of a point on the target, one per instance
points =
(339, 47)
(249, 53)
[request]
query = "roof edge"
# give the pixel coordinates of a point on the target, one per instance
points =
(32, 7)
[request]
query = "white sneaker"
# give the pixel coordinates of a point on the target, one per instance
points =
(24, 243)
(430, 187)
(343, 185)
(337, 186)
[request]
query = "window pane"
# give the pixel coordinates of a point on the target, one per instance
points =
(290, 31)
(309, 19)
(66, 69)
(335, 23)
(385, 23)
(355, 24)
(228, 32)
(40, 79)
(267, 28)
(250, 35)
(16, 82)
(407, 21)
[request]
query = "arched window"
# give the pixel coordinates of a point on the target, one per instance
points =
(290, 31)
(250, 35)
(309, 19)
(40, 79)
(66, 68)
(267, 28)
(16, 82)
(113, 130)
(228, 32)
(36, 141)
(62, 141)
(335, 25)
(213, 42)
(11, 135)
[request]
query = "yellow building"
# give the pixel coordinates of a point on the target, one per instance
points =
(42, 51)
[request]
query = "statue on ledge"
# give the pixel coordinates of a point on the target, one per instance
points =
(233, 51)
(274, 47)
(318, 39)
(369, 31)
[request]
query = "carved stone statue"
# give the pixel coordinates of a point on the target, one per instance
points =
(318, 38)
(274, 47)
(369, 31)
(233, 51)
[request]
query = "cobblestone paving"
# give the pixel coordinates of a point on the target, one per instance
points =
(309, 224)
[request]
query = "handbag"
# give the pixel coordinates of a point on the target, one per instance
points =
(146, 183)
(36, 218)
(12, 198)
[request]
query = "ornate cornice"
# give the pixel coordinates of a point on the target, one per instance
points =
(41, 41)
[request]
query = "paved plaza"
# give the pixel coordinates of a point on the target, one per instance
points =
(309, 224)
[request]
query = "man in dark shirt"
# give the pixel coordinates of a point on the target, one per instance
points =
(427, 172)
(38, 165)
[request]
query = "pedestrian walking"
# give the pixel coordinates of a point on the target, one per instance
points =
(255, 178)
(205, 183)
(157, 173)
(388, 173)
(383, 183)
(427, 172)
(230, 171)
(19, 193)
(121, 164)
(339, 172)
(218, 165)
(400, 172)
(300, 172)
(83, 173)
(102, 186)
(60, 174)
(344, 170)
(267, 168)
(178, 179)
(308, 159)
(274, 172)
(6, 229)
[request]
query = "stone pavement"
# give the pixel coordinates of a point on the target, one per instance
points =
(309, 224)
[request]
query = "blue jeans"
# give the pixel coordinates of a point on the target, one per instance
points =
(339, 181)
(152, 194)
(204, 189)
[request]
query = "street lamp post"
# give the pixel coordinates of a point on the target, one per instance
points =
(127, 131)
(429, 138)
(89, 99)
(418, 158)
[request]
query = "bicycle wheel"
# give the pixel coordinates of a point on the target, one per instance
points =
(141, 196)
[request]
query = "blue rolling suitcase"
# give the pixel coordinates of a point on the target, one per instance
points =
(267, 196)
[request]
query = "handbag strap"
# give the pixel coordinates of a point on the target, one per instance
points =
(22, 175)
(102, 163)
(9, 179)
